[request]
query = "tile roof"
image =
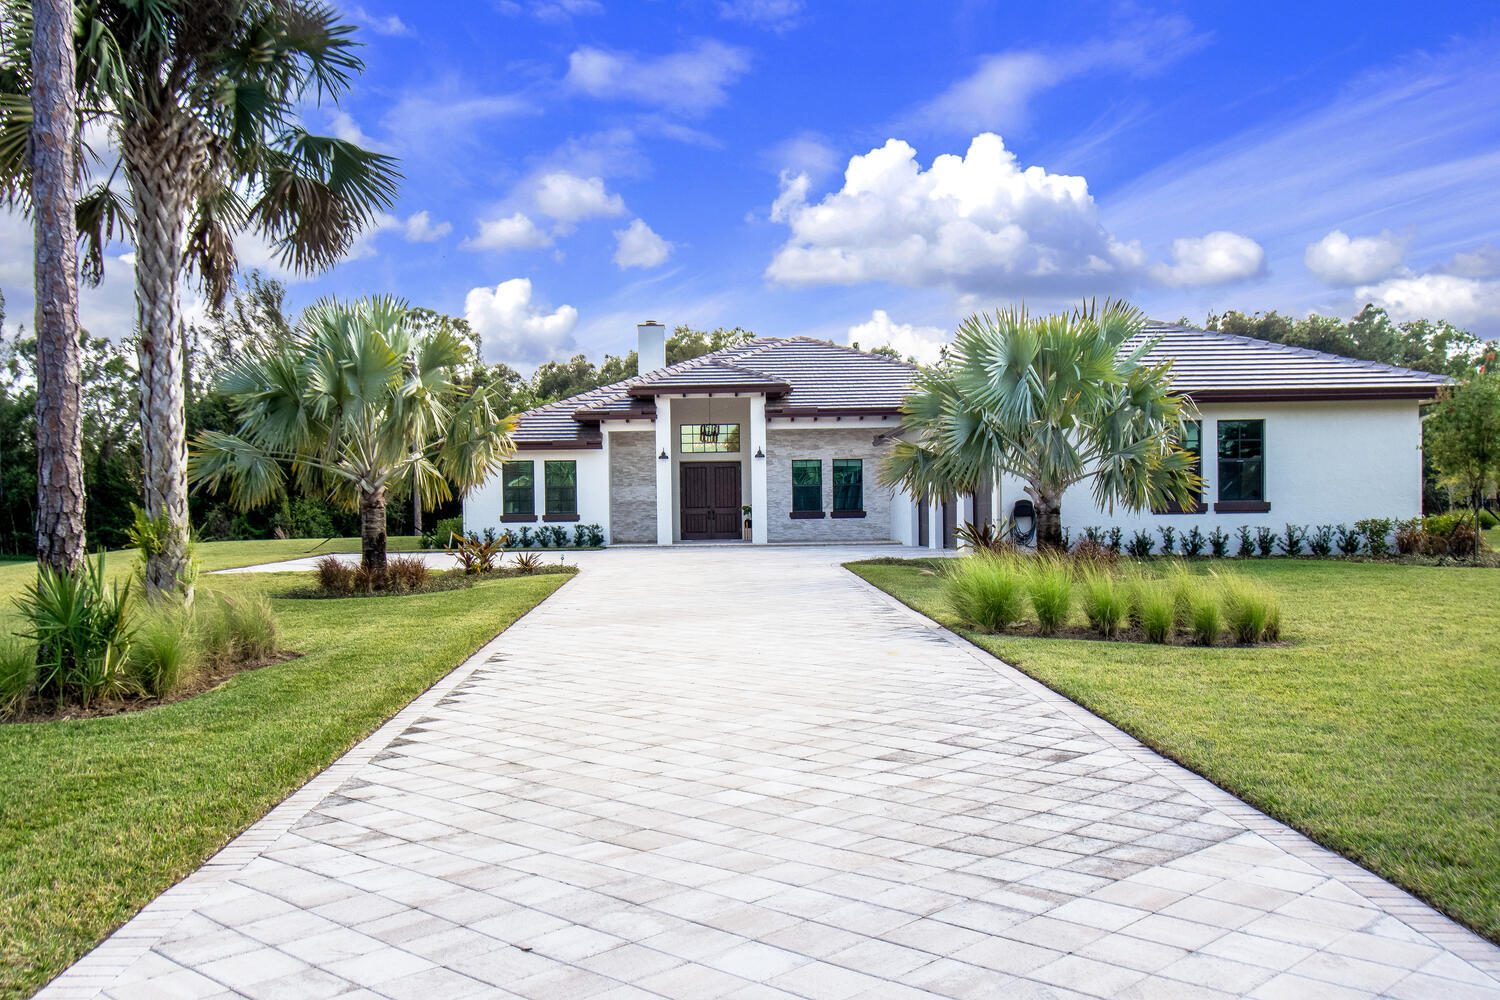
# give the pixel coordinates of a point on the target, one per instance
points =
(1222, 367)
(802, 375)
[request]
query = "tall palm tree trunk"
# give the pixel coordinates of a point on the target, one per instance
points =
(1048, 517)
(159, 159)
(372, 530)
(59, 400)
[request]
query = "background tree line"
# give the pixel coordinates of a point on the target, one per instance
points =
(255, 316)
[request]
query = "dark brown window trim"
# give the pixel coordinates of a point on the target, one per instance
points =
(1202, 508)
(560, 517)
(806, 515)
(847, 513)
(1242, 507)
(518, 518)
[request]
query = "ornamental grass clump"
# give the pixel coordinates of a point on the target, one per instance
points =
(1205, 616)
(1251, 609)
(1051, 588)
(1105, 602)
(17, 675)
(986, 592)
(163, 655)
(232, 629)
(1155, 609)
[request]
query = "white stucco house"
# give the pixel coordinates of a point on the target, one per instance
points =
(794, 429)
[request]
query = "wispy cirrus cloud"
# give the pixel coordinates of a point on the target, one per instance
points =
(997, 94)
(691, 81)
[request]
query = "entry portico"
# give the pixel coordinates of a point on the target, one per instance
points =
(775, 440)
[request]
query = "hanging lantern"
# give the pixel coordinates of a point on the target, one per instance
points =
(709, 433)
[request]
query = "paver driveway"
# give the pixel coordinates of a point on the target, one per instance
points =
(738, 773)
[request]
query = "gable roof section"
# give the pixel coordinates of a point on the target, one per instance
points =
(801, 376)
(1214, 367)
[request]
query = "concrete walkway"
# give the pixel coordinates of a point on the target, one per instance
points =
(741, 773)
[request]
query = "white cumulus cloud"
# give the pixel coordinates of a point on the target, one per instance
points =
(1468, 302)
(570, 198)
(979, 222)
(924, 343)
(778, 15)
(513, 232)
(691, 81)
(637, 246)
(516, 329)
(1339, 259)
(420, 228)
(1217, 258)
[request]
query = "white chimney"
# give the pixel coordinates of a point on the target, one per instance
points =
(651, 347)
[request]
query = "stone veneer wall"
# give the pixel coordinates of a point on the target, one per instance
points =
(783, 445)
(632, 486)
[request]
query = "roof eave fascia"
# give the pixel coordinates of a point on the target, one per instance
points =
(1315, 394)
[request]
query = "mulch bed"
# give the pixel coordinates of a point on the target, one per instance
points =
(206, 679)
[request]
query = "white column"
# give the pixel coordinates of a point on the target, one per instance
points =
(760, 504)
(935, 523)
(663, 470)
(965, 513)
(605, 486)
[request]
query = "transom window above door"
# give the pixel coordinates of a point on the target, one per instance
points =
(699, 439)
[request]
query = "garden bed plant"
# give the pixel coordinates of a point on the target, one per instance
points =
(1096, 597)
(85, 648)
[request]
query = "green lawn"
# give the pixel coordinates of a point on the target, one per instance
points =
(1375, 733)
(99, 817)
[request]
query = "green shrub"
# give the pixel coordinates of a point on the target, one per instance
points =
(1218, 541)
(82, 627)
(1487, 519)
(1320, 540)
(1193, 542)
(1168, 539)
(1140, 545)
(1105, 602)
(1376, 532)
(1249, 608)
(1205, 617)
(1265, 541)
(580, 535)
(1156, 610)
(986, 592)
(596, 535)
(522, 538)
(1291, 540)
(442, 531)
(558, 534)
(1051, 588)
(528, 562)
(17, 674)
(1247, 547)
(164, 654)
(1350, 541)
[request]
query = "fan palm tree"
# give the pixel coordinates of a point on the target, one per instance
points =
(1055, 401)
(59, 396)
(361, 396)
(202, 100)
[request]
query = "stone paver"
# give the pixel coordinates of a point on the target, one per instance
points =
(735, 773)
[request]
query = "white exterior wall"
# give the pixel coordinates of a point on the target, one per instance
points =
(482, 507)
(1325, 463)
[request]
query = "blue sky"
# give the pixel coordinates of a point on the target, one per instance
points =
(880, 170)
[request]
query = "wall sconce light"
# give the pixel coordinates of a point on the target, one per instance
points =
(759, 453)
(663, 456)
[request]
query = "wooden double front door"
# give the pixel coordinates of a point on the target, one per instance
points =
(710, 500)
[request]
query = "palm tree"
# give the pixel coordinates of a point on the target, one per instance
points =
(59, 397)
(1055, 401)
(203, 101)
(362, 395)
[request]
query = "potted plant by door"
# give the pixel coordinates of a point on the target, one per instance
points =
(745, 509)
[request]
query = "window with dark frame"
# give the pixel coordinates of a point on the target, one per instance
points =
(1242, 470)
(807, 484)
(518, 494)
(561, 490)
(698, 439)
(848, 484)
(1191, 442)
